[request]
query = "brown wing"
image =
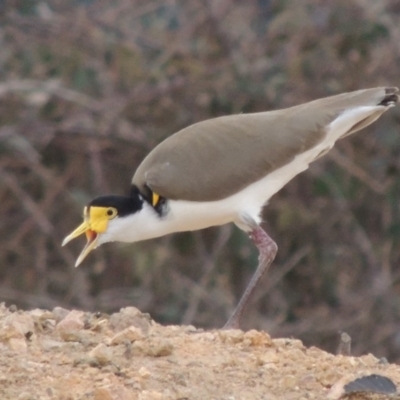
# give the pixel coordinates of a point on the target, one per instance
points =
(216, 158)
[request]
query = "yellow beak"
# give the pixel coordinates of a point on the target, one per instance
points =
(92, 238)
(95, 222)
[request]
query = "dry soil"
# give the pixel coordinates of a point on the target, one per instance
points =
(71, 355)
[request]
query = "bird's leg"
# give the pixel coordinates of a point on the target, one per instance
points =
(267, 251)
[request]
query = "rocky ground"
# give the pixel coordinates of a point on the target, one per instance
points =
(70, 355)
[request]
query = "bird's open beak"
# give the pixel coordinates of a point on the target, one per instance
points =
(92, 238)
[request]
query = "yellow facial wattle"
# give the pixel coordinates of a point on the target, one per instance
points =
(95, 222)
(98, 218)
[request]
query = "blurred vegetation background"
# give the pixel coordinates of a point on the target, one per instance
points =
(88, 87)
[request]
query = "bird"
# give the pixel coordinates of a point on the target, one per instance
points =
(224, 170)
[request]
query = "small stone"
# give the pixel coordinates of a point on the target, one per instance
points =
(112, 369)
(42, 315)
(18, 345)
(280, 342)
(206, 336)
(308, 382)
(190, 329)
(86, 360)
(16, 326)
(95, 321)
(113, 392)
(130, 316)
(383, 361)
(268, 358)
(173, 331)
(24, 396)
(186, 393)
(99, 325)
(314, 352)
(60, 313)
(295, 343)
(180, 378)
(328, 377)
(130, 334)
(257, 338)
(231, 335)
(102, 354)
(69, 328)
(103, 394)
(352, 361)
(144, 372)
(295, 355)
(48, 325)
(288, 381)
(49, 344)
(161, 348)
(155, 347)
(271, 368)
(209, 336)
(150, 395)
(369, 360)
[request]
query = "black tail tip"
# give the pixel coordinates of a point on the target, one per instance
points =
(391, 98)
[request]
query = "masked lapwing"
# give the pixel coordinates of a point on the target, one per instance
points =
(225, 170)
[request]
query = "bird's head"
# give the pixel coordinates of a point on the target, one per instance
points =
(108, 219)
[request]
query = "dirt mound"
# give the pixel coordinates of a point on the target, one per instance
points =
(70, 355)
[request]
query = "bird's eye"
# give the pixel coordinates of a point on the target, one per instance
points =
(111, 212)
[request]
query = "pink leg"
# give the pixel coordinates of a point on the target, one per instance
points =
(267, 249)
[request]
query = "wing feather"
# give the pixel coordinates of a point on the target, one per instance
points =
(216, 158)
